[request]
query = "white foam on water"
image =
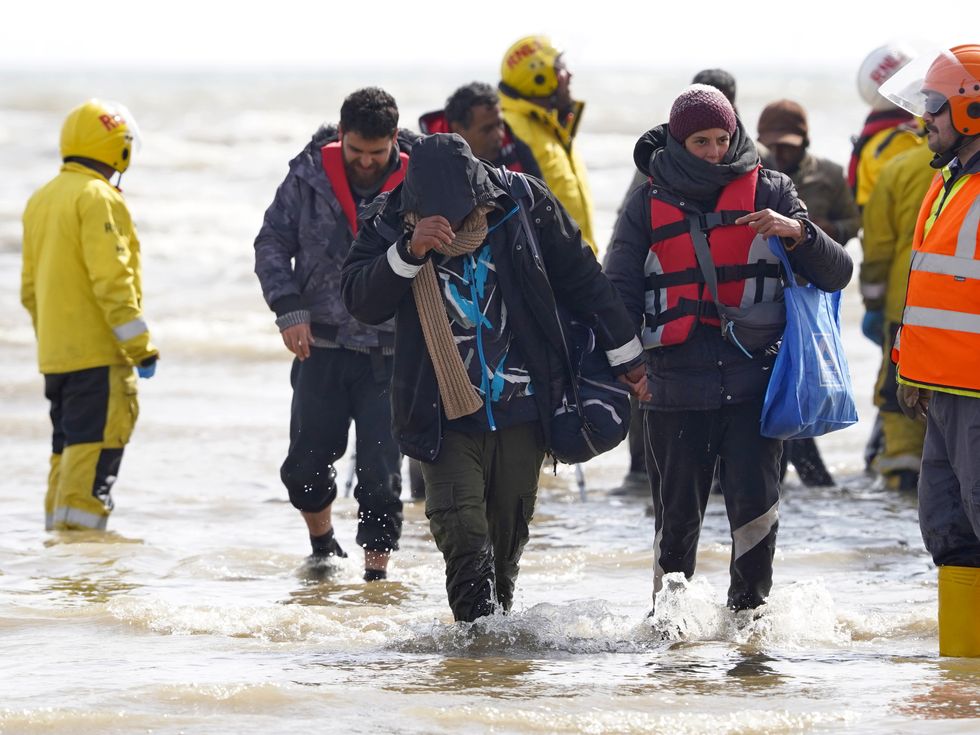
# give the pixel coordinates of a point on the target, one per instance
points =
(348, 627)
(581, 626)
(794, 616)
(565, 717)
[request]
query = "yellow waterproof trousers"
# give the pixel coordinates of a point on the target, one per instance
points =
(903, 436)
(93, 413)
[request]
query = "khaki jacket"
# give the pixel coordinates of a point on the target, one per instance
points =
(822, 186)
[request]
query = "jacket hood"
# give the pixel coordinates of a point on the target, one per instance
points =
(659, 156)
(444, 178)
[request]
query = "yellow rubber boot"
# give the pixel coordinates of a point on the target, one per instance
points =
(51, 497)
(959, 611)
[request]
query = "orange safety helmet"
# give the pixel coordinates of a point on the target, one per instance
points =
(955, 76)
(931, 81)
(528, 67)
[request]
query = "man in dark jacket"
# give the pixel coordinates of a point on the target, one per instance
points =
(478, 372)
(821, 183)
(706, 391)
(342, 368)
(473, 112)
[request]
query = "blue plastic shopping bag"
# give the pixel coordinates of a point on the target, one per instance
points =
(809, 392)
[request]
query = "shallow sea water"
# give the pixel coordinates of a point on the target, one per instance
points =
(195, 614)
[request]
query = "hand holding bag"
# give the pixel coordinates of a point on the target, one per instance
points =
(809, 392)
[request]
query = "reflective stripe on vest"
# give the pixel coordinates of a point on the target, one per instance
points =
(333, 167)
(676, 298)
(940, 337)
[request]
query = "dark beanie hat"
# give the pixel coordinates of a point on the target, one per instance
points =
(700, 107)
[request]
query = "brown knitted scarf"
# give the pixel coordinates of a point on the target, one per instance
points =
(459, 397)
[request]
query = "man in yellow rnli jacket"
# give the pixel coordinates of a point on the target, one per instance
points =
(889, 223)
(888, 130)
(937, 349)
(535, 95)
(81, 284)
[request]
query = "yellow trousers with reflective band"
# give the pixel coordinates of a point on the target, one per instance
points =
(93, 413)
(959, 611)
(904, 437)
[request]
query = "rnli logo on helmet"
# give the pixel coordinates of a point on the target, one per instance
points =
(522, 52)
(888, 66)
(111, 122)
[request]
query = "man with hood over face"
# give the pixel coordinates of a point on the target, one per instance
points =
(707, 190)
(478, 369)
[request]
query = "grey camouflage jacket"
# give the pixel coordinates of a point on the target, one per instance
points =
(302, 244)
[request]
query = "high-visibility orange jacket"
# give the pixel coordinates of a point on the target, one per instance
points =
(938, 346)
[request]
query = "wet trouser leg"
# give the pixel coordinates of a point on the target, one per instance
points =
(318, 425)
(635, 437)
(901, 452)
(949, 483)
(749, 470)
(480, 495)
(681, 469)
(685, 446)
(379, 481)
(330, 388)
(93, 413)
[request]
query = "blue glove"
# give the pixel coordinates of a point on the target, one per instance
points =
(873, 326)
(147, 371)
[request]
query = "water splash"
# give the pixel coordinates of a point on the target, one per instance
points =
(795, 615)
(581, 626)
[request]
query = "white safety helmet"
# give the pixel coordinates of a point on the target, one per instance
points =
(877, 67)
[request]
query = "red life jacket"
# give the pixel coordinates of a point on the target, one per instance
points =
(435, 122)
(508, 152)
(676, 295)
(333, 167)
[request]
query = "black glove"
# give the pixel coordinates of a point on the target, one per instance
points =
(913, 401)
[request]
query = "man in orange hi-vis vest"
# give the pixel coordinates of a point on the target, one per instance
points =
(938, 346)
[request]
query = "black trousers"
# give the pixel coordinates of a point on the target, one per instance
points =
(682, 449)
(331, 388)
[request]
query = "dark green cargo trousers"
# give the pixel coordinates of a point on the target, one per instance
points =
(479, 499)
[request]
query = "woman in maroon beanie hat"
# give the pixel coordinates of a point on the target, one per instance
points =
(707, 194)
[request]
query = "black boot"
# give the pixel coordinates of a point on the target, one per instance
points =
(805, 456)
(326, 546)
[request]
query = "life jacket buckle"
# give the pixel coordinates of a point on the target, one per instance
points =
(710, 220)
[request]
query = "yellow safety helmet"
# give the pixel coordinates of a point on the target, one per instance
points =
(528, 67)
(101, 130)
